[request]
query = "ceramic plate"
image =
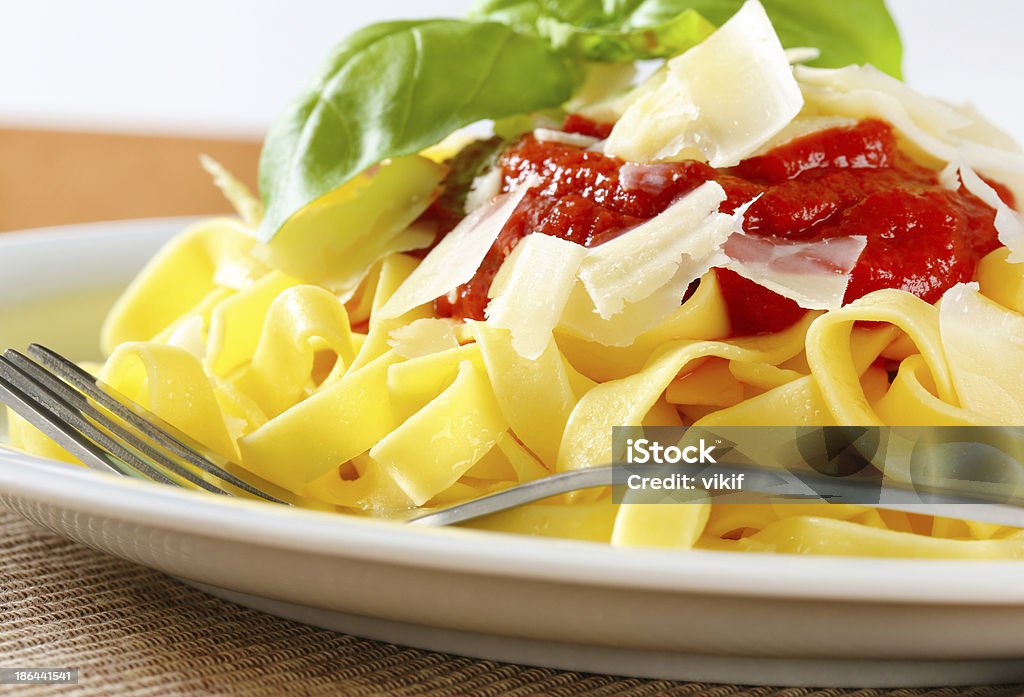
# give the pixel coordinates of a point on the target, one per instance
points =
(707, 616)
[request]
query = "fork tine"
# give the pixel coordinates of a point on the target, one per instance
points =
(68, 438)
(77, 401)
(148, 423)
(73, 427)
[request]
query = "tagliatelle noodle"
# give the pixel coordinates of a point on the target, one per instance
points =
(814, 535)
(368, 488)
(413, 383)
(237, 321)
(830, 358)
(331, 427)
(535, 396)
(206, 255)
(171, 383)
(992, 389)
(624, 402)
(301, 323)
(580, 521)
(439, 443)
(660, 525)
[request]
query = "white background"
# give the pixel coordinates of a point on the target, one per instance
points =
(226, 67)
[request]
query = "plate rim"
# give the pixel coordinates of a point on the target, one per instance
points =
(792, 577)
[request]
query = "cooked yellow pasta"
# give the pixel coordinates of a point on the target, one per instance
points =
(335, 367)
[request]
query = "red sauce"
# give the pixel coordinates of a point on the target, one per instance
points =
(844, 181)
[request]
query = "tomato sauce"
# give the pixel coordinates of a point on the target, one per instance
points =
(850, 180)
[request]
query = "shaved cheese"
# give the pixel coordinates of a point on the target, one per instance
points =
(581, 319)
(652, 179)
(802, 54)
(949, 177)
(981, 130)
(813, 274)
(931, 114)
(1009, 223)
(248, 207)
(992, 388)
(632, 266)
(548, 135)
(689, 257)
(936, 129)
(484, 188)
(424, 337)
(456, 257)
(533, 286)
(719, 101)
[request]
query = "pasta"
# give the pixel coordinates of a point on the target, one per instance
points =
(329, 370)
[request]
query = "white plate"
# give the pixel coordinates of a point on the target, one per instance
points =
(704, 616)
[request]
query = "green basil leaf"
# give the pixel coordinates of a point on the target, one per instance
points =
(851, 31)
(524, 15)
(626, 43)
(620, 31)
(395, 88)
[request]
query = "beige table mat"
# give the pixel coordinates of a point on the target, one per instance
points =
(134, 632)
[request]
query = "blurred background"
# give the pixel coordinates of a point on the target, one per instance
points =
(105, 105)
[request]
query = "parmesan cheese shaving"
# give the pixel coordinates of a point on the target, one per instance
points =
(248, 207)
(802, 54)
(652, 179)
(934, 128)
(812, 274)
(456, 257)
(992, 388)
(632, 266)
(1009, 223)
(424, 337)
(929, 113)
(581, 319)
(483, 189)
(531, 290)
(548, 135)
(719, 101)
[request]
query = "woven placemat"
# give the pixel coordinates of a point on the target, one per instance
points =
(133, 632)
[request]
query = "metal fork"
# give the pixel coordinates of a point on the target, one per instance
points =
(109, 432)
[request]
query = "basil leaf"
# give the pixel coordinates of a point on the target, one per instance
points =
(851, 31)
(395, 88)
(622, 31)
(626, 44)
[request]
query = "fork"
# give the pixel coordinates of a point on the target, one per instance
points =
(109, 432)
